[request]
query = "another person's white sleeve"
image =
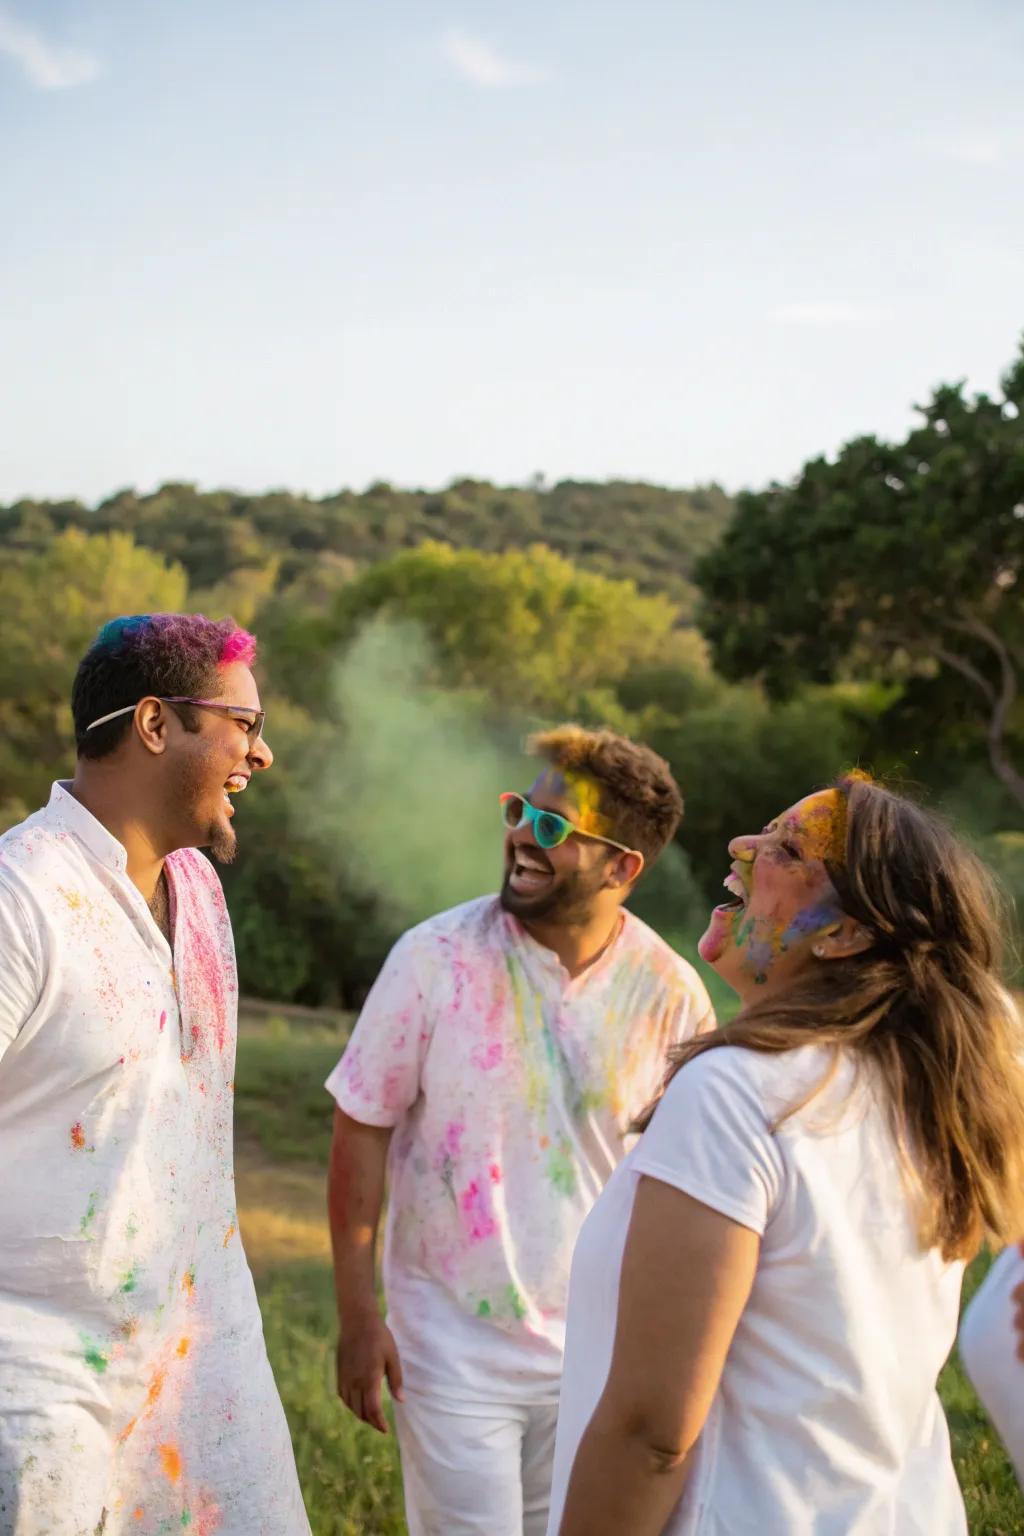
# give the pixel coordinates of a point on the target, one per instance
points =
(988, 1348)
(378, 1078)
(21, 968)
(711, 1138)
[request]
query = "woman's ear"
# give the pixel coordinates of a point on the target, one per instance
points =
(843, 939)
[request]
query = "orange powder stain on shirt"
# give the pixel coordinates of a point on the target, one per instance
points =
(229, 1234)
(156, 1386)
(183, 1348)
(170, 1460)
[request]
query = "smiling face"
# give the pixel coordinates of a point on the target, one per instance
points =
(560, 884)
(784, 898)
(205, 767)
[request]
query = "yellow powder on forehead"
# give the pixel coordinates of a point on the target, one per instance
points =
(821, 823)
(587, 794)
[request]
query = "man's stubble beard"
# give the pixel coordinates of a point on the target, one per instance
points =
(570, 904)
(223, 843)
(220, 835)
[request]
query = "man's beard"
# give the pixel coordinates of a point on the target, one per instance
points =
(570, 903)
(220, 835)
(223, 843)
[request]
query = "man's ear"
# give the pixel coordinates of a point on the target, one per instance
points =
(843, 939)
(624, 870)
(150, 725)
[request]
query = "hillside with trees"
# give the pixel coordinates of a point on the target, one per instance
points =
(869, 612)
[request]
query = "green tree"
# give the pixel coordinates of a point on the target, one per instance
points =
(900, 561)
(527, 628)
(51, 605)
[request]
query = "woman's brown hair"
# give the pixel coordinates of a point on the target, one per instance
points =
(925, 1005)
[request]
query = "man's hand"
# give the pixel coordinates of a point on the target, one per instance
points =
(367, 1352)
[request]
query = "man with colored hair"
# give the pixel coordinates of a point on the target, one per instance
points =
(492, 1077)
(135, 1391)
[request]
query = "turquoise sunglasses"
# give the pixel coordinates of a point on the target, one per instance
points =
(549, 829)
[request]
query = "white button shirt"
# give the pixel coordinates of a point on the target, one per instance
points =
(135, 1391)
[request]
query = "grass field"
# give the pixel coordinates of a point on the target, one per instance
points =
(349, 1474)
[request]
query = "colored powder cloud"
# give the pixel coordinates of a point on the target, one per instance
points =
(406, 785)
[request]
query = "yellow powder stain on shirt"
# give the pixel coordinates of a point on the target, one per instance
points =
(183, 1347)
(74, 899)
(170, 1460)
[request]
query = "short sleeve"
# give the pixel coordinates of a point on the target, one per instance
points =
(378, 1078)
(21, 968)
(700, 1017)
(711, 1138)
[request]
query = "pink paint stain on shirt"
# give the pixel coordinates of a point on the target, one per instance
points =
(163, 1020)
(487, 1057)
(451, 1146)
(202, 971)
(478, 1213)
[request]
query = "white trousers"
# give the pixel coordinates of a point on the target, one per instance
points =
(473, 1469)
(988, 1349)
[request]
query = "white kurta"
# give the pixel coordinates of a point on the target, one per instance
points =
(135, 1391)
(511, 1086)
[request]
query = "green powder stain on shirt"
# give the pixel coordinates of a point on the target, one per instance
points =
(515, 1302)
(561, 1171)
(186, 1518)
(94, 1357)
(484, 1309)
(130, 1280)
(90, 1215)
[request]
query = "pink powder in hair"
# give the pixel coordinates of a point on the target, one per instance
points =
(239, 646)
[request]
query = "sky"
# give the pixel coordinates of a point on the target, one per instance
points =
(313, 245)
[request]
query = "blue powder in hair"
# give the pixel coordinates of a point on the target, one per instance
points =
(116, 631)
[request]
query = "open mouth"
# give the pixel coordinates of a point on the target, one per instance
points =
(234, 786)
(528, 875)
(737, 890)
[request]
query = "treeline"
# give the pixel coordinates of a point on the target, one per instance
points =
(643, 533)
(870, 612)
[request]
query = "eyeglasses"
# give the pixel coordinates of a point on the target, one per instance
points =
(549, 829)
(243, 712)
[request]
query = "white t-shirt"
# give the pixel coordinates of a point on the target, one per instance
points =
(133, 1375)
(826, 1420)
(511, 1087)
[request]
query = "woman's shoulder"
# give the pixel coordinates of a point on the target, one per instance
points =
(771, 1082)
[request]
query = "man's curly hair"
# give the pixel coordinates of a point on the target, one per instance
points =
(639, 796)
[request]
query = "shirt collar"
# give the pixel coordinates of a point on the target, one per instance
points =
(547, 961)
(70, 814)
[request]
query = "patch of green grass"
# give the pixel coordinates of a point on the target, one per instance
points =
(280, 1099)
(349, 1473)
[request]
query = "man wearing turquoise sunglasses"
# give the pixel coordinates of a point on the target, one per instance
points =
(492, 1077)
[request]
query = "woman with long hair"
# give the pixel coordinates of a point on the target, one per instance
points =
(763, 1297)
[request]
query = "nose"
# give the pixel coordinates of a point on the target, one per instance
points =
(744, 847)
(260, 755)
